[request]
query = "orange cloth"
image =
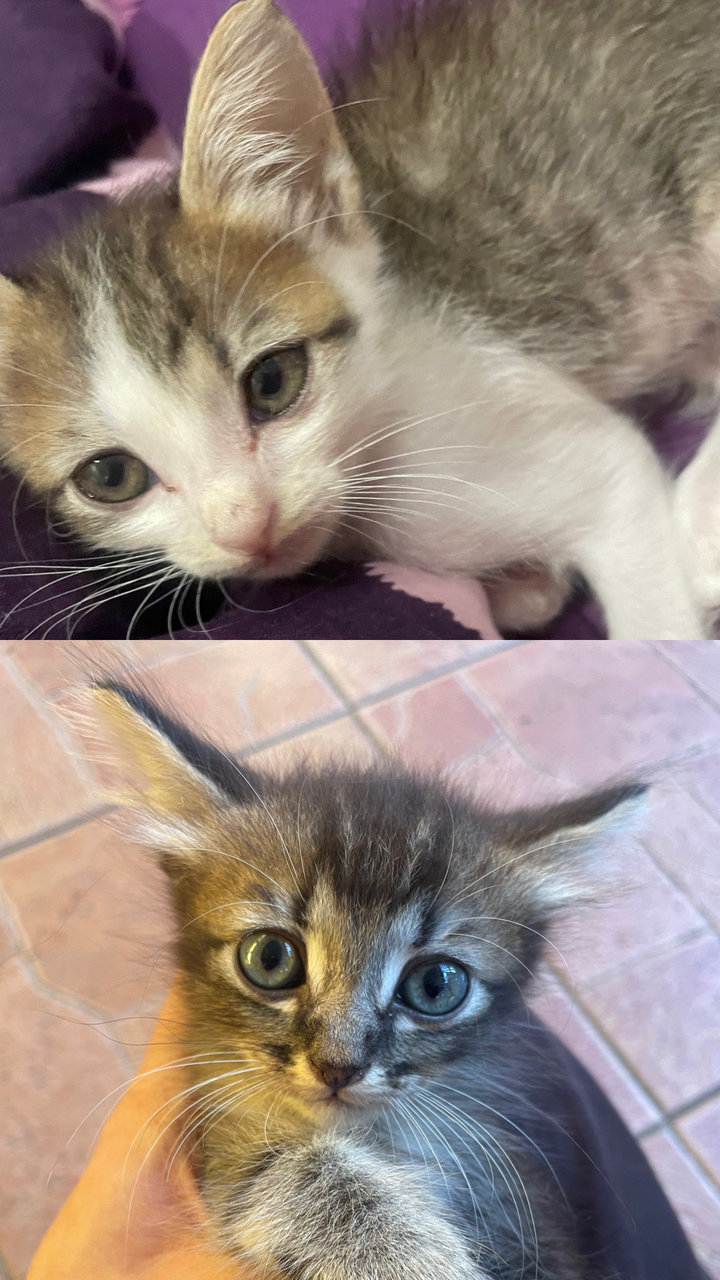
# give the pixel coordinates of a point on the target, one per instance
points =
(165, 1236)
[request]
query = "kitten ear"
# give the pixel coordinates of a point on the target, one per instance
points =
(260, 133)
(550, 865)
(176, 782)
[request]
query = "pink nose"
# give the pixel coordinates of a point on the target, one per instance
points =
(337, 1076)
(256, 542)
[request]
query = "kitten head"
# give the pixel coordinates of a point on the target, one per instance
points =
(345, 934)
(183, 374)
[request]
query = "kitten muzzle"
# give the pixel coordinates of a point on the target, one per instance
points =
(336, 1076)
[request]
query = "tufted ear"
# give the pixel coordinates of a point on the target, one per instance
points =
(177, 785)
(260, 137)
(546, 850)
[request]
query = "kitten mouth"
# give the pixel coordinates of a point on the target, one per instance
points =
(289, 556)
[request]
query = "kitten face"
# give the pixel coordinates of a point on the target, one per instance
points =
(345, 934)
(184, 387)
(185, 374)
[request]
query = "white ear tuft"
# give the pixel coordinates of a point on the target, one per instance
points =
(555, 845)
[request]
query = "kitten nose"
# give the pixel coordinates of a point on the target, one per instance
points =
(258, 542)
(335, 1075)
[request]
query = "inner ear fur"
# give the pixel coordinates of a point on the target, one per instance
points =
(180, 773)
(548, 851)
(260, 132)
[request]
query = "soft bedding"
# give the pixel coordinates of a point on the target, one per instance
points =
(84, 86)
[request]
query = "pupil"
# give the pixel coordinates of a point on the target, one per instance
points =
(434, 982)
(271, 379)
(271, 955)
(110, 472)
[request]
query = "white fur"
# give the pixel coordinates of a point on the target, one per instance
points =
(697, 510)
(532, 467)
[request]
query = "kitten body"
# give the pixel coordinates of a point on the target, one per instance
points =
(509, 223)
(342, 1134)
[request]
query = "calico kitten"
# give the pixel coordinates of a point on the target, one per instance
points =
(399, 328)
(353, 946)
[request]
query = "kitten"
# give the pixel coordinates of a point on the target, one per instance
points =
(353, 946)
(399, 328)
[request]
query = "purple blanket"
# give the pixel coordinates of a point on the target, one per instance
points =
(70, 105)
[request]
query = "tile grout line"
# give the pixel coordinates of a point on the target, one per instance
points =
(411, 682)
(689, 679)
(678, 886)
(650, 951)
(55, 830)
(575, 995)
(698, 1167)
(681, 1111)
(52, 717)
(24, 953)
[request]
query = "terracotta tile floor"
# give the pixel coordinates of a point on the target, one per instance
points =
(634, 987)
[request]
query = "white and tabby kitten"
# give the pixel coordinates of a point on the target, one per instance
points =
(353, 946)
(399, 327)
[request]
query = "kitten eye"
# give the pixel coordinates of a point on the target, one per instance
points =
(275, 382)
(113, 477)
(436, 988)
(270, 961)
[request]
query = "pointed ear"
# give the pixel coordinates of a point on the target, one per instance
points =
(178, 785)
(553, 846)
(260, 130)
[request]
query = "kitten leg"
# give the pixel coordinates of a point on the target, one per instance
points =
(622, 535)
(697, 510)
(526, 597)
(329, 1210)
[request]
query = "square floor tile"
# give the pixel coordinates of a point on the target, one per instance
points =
(42, 783)
(432, 725)
(564, 1016)
(685, 840)
(593, 711)
(365, 667)
(94, 911)
(638, 911)
(56, 1074)
(699, 659)
(245, 691)
(662, 1014)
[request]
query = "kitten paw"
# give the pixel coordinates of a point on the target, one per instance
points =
(526, 597)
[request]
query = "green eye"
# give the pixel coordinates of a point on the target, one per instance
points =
(113, 477)
(275, 382)
(270, 961)
(436, 988)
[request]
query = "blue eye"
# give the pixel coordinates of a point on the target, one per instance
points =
(270, 961)
(436, 988)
